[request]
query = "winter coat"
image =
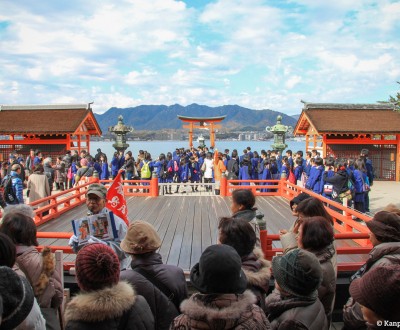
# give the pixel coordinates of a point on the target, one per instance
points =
(359, 179)
(254, 168)
(219, 168)
(338, 180)
(315, 181)
(114, 166)
(284, 171)
(292, 313)
(298, 171)
(34, 320)
(38, 187)
(244, 175)
(49, 171)
(162, 309)
(223, 311)
(258, 272)
(327, 289)
(208, 166)
(40, 270)
(381, 255)
(169, 275)
(184, 173)
(194, 169)
(17, 186)
(59, 172)
(108, 309)
(105, 172)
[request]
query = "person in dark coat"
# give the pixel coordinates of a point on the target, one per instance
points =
(316, 236)
(294, 303)
(223, 301)
(141, 242)
(315, 181)
(105, 302)
(339, 181)
(379, 294)
(240, 235)
(385, 238)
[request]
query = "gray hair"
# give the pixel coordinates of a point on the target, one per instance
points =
(19, 208)
(47, 160)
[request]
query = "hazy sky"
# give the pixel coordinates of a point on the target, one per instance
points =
(254, 53)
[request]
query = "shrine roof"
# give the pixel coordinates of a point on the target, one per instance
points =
(331, 118)
(47, 119)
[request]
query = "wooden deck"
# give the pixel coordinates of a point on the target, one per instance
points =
(186, 224)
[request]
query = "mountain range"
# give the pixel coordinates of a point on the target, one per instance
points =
(158, 117)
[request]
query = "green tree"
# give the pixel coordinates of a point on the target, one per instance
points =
(395, 100)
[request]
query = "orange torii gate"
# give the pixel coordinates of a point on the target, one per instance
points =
(202, 123)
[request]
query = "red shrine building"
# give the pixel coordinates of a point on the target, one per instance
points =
(52, 129)
(342, 130)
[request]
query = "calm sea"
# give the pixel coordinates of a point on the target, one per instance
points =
(157, 147)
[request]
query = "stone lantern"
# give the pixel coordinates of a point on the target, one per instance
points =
(279, 132)
(120, 130)
(201, 140)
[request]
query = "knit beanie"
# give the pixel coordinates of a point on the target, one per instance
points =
(97, 267)
(385, 226)
(84, 162)
(298, 272)
(141, 238)
(379, 290)
(17, 298)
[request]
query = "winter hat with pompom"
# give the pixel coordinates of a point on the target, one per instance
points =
(97, 267)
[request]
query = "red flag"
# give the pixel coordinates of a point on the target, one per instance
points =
(116, 199)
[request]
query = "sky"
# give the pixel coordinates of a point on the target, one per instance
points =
(253, 53)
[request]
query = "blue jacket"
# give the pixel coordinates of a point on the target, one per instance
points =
(184, 172)
(17, 187)
(359, 179)
(114, 166)
(370, 170)
(298, 170)
(307, 167)
(194, 169)
(244, 175)
(329, 174)
(285, 170)
(315, 181)
(105, 173)
(254, 167)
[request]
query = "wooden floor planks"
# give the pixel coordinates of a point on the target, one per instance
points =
(187, 225)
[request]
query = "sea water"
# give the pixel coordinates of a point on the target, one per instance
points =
(157, 147)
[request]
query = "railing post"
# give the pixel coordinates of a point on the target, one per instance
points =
(223, 185)
(154, 185)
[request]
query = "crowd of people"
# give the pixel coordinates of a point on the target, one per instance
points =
(335, 179)
(124, 283)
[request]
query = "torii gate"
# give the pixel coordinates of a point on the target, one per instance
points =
(202, 123)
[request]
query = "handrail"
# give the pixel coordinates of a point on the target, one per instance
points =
(270, 251)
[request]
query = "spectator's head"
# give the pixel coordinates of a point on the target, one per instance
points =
(17, 297)
(219, 270)
(20, 208)
(96, 197)
(297, 273)
(141, 238)
(392, 209)
(364, 152)
(97, 267)
(242, 199)
(237, 233)
(384, 227)
(84, 162)
(315, 234)
(378, 293)
(20, 228)
(38, 168)
(312, 207)
(47, 161)
(16, 168)
(319, 161)
(7, 251)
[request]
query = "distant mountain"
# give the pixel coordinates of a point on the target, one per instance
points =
(296, 117)
(157, 117)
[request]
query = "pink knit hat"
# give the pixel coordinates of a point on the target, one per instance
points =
(84, 162)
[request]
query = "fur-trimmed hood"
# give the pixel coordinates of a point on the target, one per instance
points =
(100, 305)
(257, 269)
(223, 306)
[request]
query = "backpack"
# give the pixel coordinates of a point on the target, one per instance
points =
(145, 172)
(9, 194)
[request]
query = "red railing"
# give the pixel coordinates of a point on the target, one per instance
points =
(343, 220)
